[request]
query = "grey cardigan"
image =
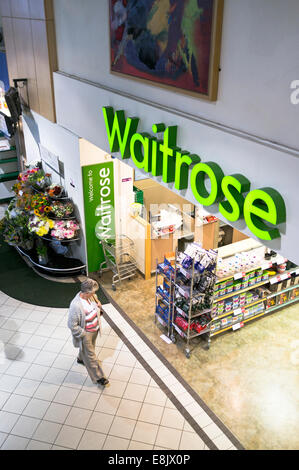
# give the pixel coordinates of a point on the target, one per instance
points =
(76, 321)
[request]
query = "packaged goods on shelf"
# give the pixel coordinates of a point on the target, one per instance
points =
(164, 293)
(237, 285)
(238, 318)
(166, 268)
(215, 326)
(181, 323)
(226, 321)
(271, 302)
(240, 262)
(282, 298)
(203, 259)
(294, 293)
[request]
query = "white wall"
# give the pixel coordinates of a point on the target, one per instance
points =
(65, 145)
(259, 60)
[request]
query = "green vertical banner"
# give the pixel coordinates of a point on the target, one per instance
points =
(98, 190)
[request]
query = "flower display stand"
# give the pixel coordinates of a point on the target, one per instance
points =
(39, 222)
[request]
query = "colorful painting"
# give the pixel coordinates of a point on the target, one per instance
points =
(173, 43)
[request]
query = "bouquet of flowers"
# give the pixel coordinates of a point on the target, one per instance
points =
(14, 231)
(21, 187)
(65, 229)
(13, 210)
(40, 225)
(23, 177)
(61, 209)
(40, 205)
(55, 190)
(39, 179)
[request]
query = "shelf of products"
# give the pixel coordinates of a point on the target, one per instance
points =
(187, 293)
(252, 293)
(193, 301)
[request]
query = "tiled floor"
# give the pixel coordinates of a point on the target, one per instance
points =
(47, 400)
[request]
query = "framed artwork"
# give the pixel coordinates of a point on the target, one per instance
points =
(170, 43)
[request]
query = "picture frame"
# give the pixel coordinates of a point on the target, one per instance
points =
(174, 45)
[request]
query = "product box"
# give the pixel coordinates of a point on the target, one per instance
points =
(295, 293)
(271, 302)
(237, 285)
(244, 284)
(283, 298)
(229, 282)
(258, 278)
(215, 326)
(251, 274)
(226, 321)
(248, 313)
(229, 289)
(265, 276)
(252, 281)
(221, 292)
(238, 318)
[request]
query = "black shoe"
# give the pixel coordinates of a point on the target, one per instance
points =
(80, 361)
(103, 381)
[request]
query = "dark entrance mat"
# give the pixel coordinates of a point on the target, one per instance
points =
(20, 282)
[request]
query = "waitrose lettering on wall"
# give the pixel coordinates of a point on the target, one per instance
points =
(262, 209)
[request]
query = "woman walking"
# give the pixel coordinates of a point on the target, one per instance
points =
(84, 323)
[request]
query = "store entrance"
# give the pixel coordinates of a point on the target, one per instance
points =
(248, 375)
(198, 278)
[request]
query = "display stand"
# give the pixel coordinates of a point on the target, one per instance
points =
(224, 304)
(247, 295)
(183, 302)
(46, 258)
(72, 266)
(164, 294)
(193, 297)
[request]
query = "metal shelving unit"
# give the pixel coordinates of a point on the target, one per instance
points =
(164, 294)
(241, 315)
(196, 302)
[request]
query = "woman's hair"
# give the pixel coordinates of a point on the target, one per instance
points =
(89, 286)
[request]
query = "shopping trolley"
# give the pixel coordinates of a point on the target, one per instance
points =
(119, 258)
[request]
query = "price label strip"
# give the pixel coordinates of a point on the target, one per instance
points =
(179, 331)
(237, 326)
(238, 276)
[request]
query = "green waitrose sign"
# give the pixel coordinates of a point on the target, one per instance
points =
(98, 189)
(259, 207)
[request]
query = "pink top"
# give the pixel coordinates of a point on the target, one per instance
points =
(91, 316)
